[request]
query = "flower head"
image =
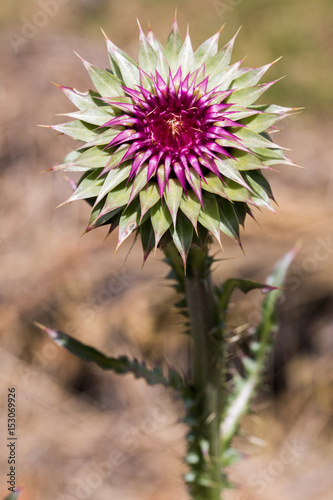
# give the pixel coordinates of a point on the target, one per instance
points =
(174, 146)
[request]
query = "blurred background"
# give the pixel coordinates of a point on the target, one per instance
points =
(85, 434)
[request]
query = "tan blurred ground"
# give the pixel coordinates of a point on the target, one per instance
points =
(84, 434)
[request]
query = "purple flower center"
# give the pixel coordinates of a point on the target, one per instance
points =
(178, 126)
(175, 130)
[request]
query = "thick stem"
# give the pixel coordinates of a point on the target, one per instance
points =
(207, 373)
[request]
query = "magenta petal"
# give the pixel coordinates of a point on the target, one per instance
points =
(179, 171)
(230, 123)
(146, 94)
(167, 167)
(121, 105)
(184, 162)
(126, 135)
(220, 132)
(202, 86)
(137, 162)
(160, 84)
(183, 88)
(216, 108)
(152, 166)
(195, 164)
(210, 164)
(212, 146)
(146, 155)
(132, 149)
(123, 120)
(191, 87)
(176, 80)
(135, 94)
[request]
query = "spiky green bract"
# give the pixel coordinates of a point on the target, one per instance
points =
(174, 146)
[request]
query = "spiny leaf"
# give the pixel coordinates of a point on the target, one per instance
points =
(73, 155)
(244, 286)
(241, 210)
(121, 365)
(275, 281)
(90, 159)
(95, 212)
(194, 181)
(239, 113)
(246, 389)
(261, 180)
(96, 219)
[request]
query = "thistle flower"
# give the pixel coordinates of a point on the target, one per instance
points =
(174, 147)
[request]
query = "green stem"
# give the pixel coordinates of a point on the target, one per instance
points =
(207, 374)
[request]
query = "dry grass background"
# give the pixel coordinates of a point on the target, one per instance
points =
(84, 434)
